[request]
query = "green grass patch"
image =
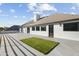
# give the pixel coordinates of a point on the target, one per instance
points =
(44, 46)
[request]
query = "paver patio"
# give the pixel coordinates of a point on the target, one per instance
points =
(65, 48)
(12, 46)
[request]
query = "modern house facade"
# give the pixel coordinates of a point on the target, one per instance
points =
(57, 26)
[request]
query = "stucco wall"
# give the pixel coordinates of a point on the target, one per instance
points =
(59, 33)
(20, 29)
(24, 30)
(42, 33)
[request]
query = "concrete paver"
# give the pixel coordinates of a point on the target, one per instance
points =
(10, 52)
(65, 48)
(2, 48)
(15, 47)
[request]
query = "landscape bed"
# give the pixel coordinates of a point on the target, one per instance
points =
(42, 45)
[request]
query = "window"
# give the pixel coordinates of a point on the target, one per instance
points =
(37, 28)
(71, 26)
(43, 28)
(33, 28)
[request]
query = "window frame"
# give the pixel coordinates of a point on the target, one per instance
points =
(42, 28)
(33, 28)
(37, 28)
(71, 26)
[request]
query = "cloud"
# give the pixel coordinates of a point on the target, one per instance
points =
(76, 6)
(73, 13)
(73, 7)
(23, 16)
(20, 5)
(15, 16)
(4, 15)
(0, 4)
(1, 11)
(41, 7)
(32, 6)
(12, 10)
(65, 12)
(47, 7)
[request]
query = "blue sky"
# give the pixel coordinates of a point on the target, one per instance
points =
(19, 13)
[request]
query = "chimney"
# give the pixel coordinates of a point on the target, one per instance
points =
(36, 17)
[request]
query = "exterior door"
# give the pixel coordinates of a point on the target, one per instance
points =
(28, 30)
(50, 30)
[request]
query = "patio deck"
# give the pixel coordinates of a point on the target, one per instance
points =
(65, 48)
(10, 46)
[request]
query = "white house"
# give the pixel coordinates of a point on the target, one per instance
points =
(57, 26)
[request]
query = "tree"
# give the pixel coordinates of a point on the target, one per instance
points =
(14, 28)
(2, 29)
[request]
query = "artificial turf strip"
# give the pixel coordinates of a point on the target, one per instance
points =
(44, 46)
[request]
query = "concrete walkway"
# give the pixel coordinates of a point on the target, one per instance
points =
(65, 48)
(11, 46)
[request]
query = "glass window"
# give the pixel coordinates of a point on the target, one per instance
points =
(43, 28)
(33, 28)
(37, 28)
(71, 26)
